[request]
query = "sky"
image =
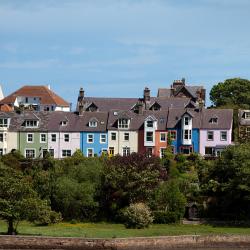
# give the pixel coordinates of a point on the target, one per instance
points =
(115, 48)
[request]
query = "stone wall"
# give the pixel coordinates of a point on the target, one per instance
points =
(150, 243)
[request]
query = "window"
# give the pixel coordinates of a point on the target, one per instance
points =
(66, 153)
(223, 135)
(45, 152)
(30, 153)
(26, 99)
(126, 136)
(31, 123)
(90, 152)
(92, 124)
(162, 152)
(173, 135)
(1, 137)
(163, 137)
(111, 151)
(104, 151)
(113, 136)
(209, 151)
(213, 120)
(186, 120)
(90, 138)
(103, 138)
(187, 134)
(1, 151)
(173, 149)
(4, 122)
(248, 131)
(29, 138)
(123, 123)
(42, 137)
(210, 135)
(247, 115)
(149, 151)
(126, 151)
(53, 137)
(150, 124)
(149, 136)
(186, 150)
(63, 123)
(66, 137)
(51, 152)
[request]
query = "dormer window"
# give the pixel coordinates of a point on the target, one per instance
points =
(63, 123)
(247, 115)
(186, 120)
(31, 123)
(4, 122)
(123, 123)
(213, 120)
(93, 124)
(150, 124)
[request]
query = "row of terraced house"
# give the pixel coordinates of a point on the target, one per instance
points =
(42, 122)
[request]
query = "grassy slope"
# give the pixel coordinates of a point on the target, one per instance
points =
(104, 230)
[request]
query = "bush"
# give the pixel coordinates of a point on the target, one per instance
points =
(165, 217)
(137, 215)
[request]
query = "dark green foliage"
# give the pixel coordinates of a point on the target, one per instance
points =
(165, 217)
(227, 184)
(129, 180)
(234, 92)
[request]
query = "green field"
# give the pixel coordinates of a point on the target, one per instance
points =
(105, 230)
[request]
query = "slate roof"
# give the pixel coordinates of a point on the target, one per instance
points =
(242, 120)
(107, 104)
(175, 115)
(47, 96)
(225, 118)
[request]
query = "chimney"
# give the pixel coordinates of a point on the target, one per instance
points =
(80, 109)
(183, 81)
(146, 97)
(81, 92)
(171, 91)
(140, 108)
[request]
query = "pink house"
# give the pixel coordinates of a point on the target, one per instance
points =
(215, 131)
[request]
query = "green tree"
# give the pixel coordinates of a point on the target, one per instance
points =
(18, 200)
(233, 92)
(227, 184)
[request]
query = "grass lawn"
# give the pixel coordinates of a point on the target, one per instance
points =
(105, 230)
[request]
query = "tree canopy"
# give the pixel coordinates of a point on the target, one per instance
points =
(233, 92)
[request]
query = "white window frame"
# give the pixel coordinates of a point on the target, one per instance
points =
(66, 150)
(123, 123)
(93, 153)
(2, 134)
(126, 134)
(52, 137)
(188, 134)
(186, 118)
(149, 123)
(31, 123)
(161, 148)
(163, 133)
(92, 124)
(27, 137)
(25, 152)
(43, 150)
(151, 132)
(126, 151)
(64, 137)
(221, 132)
(115, 135)
(105, 141)
(210, 131)
(247, 115)
(41, 135)
(171, 132)
(93, 139)
(105, 150)
(1, 151)
(52, 150)
(3, 124)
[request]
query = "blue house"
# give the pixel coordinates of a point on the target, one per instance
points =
(183, 126)
(93, 134)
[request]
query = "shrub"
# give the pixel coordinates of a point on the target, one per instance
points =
(137, 215)
(165, 217)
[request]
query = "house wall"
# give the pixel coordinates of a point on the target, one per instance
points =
(217, 141)
(97, 146)
(119, 143)
(73, 144)
(9, 141)
(158, 143)
(22, 143)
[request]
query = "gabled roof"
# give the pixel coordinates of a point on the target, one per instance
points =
(47, 96)
(225, 118)
(6, 108)
(242, 120)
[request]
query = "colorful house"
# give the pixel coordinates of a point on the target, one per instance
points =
(215, 131)
(183, 126)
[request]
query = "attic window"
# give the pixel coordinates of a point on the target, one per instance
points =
(150, 124)
(123, 123)
(247, 115)
(4, 122)
(102, 122)
(63, 123)
(31, 123)
(115, 113)
(213, 120)
(92, 124)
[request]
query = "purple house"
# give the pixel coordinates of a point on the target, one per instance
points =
(215, 131)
